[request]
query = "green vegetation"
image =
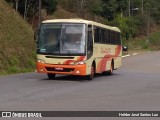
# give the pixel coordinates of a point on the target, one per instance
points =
(17, 48)
(29, 9)
(117, 13)
(142, 44)
(131, 20)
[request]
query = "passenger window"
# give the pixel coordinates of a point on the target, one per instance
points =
(90, 39)
(96, 34)
(89, 42)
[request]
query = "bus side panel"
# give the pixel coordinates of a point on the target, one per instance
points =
(103, 64)
(88, 66)
(118, 59)
(98, 64)
(104, 54)
(117, 62)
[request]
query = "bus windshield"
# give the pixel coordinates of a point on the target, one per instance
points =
(62, 39)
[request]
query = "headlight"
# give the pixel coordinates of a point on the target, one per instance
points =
(78, 63)
(41, 61)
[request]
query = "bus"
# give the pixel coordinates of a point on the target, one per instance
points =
(77, 47)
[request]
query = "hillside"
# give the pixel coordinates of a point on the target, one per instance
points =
(17, 48)
(61, 13)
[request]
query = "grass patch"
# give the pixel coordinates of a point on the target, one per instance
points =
(16, 42)
(13, 60)
(151, 43)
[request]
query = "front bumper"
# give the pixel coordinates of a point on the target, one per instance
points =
(61, 69)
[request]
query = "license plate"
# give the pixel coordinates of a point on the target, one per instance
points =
(58, 68)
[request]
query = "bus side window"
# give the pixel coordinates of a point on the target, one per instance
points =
(114, 38)
(107, 36)
(119, 39)
(96, 34)
(100, 35)
(103, 36)
(111, 37)
(90, 42)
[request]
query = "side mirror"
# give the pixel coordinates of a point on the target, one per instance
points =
(36, 34)
(125, 48)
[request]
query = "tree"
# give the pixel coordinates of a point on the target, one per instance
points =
(96, 6)
(49, 5)
(109, 9)
(29, 7)
(16, 4)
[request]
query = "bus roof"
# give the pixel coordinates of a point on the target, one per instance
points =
(81, 21)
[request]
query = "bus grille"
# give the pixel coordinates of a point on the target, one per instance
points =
(50, 69)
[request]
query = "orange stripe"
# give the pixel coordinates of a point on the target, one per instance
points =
(81, 58)
(68, 62)
(103, 62)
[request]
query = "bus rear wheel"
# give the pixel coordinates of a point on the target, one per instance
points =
(90, 77)
(51, 76)
(110, 72)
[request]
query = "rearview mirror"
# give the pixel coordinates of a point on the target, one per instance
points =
(125, 48)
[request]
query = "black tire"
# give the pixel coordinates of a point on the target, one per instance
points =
(51, 76)
(91, 76)
(110, 72)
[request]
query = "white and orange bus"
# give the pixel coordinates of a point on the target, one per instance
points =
(77, 47)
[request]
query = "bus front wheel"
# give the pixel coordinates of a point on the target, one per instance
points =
(90, 77)
(51, 76)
